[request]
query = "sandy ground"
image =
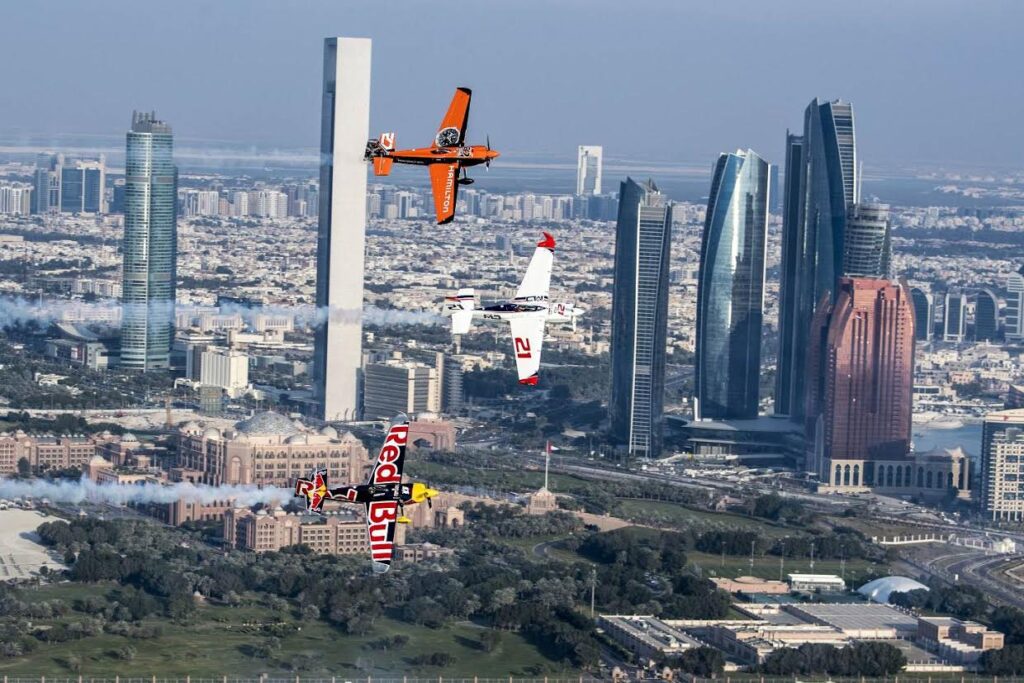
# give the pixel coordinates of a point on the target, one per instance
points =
(21, 555)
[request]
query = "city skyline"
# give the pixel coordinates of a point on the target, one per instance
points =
(816, 65)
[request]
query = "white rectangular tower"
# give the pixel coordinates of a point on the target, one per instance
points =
(344, 129)
(588, 170)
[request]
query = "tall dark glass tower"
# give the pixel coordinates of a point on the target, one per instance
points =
(730, 289)
(643, 238)
(924, 314)
(821, 187)
(150, 245)
(986, 315)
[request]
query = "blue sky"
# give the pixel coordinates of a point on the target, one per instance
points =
(932, 81)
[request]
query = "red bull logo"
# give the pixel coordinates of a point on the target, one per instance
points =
(387, 469)
(379, 520)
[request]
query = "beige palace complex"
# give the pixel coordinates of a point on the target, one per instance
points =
(268, 449)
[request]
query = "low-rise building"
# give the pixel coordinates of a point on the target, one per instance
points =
(48, 452)
(811, 583)
(421, 552)
(752, 643)
(335, 533)
(646, 636)
(961, 642)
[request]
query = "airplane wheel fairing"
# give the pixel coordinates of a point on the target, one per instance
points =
(465, 181)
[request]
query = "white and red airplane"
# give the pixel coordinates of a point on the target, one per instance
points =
(527, 313)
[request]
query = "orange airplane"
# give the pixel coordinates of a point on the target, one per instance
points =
(446, 157)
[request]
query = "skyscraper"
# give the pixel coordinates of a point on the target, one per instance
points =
(924, 314)
(821, 187)
(730, 289)
(860, 368)
(954, 318)
(83, 186)
(588, 170)
(1002, 466)
(341, 236)
(986, 315)
(46, 182)
(867, 248)
(643, 239)
(150, 245)
(1015, 306)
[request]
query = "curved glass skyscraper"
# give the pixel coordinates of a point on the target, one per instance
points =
(150, 245)
(730, 288)
(821, 187)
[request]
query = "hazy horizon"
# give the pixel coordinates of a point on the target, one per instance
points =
(660, 81)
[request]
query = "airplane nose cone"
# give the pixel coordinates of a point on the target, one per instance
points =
(493, 155)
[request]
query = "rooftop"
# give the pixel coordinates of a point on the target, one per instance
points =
(268, 424)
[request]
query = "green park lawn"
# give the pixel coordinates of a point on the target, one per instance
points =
(217, 639)
(679, 515)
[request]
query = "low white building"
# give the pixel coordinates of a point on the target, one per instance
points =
(808, 583)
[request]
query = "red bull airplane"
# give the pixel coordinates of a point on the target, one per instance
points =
(446, 157)
(384, 495)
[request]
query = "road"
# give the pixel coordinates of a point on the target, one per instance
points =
(982, 570)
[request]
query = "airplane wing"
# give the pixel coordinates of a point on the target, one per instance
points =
(444, 183)
(452, 131)
(537, 281)
(391, 459)
(381, 518)
(527, 337)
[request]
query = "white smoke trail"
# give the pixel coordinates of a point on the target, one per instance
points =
(18, 310)
(66, 491)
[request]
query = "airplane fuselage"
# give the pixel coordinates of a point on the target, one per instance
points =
(468, 155)
(403, 494)
(527, 307)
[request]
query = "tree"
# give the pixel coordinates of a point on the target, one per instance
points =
(426, 611)
(24, 467)
(490, 640)
(1006, 662)
(1010, 621)
(701, 661)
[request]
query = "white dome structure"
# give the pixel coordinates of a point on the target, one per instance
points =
(879, 590)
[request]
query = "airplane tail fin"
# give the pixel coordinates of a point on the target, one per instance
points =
(537, 280)
(564, 312)
(381, 161)
(460, 308)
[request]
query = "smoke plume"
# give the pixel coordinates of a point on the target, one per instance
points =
(86, 490)
(20, 311)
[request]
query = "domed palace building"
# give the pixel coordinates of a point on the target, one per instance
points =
(268, 449)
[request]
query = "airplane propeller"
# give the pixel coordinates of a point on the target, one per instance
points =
(487, 162)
